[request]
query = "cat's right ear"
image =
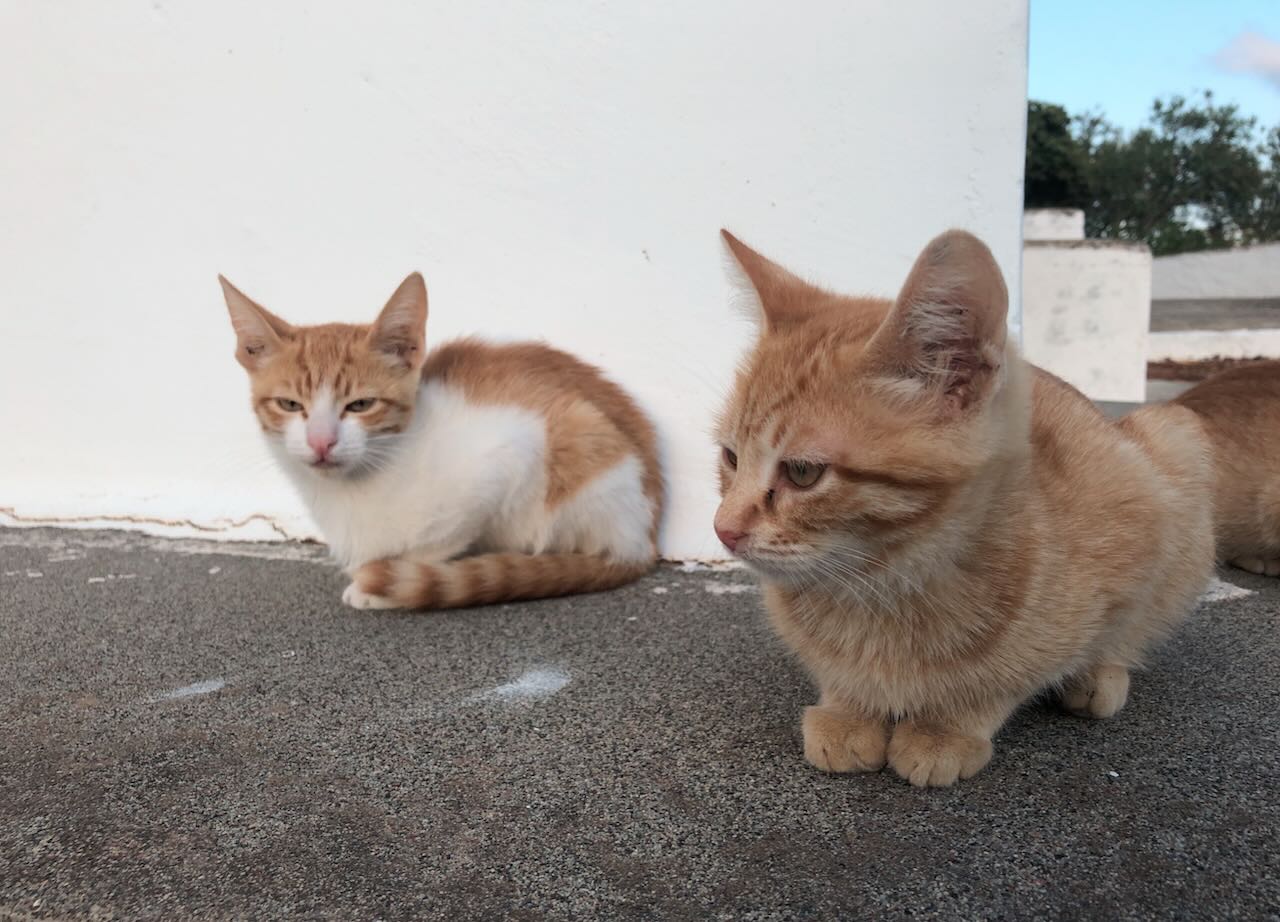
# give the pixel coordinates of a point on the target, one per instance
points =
(763, 290)
(259, 333)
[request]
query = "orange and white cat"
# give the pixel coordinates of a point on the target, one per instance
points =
(479, 473)
(943, 530)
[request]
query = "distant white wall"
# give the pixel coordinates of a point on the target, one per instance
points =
(1086, 314)
(1053, 224)
(1247, 272)
(557, 170)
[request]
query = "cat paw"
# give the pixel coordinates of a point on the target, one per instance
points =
(936, 758)
(356, 597)
(1260, 565)
(1100, 692)
(836, 741)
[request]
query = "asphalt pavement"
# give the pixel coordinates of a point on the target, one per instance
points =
(195, 731)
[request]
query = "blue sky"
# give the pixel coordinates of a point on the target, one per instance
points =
(1118, 56)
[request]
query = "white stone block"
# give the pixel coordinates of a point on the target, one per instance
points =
(1086, 308)
(1052, 224)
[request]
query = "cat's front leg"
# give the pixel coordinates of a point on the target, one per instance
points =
(938, 751)
(843, 738)
(1099, 691)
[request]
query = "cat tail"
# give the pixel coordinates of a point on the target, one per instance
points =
(486, 579)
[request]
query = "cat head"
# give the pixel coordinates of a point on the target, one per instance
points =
(333, 398)
(855, 423)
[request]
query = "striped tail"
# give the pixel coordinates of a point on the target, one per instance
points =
(489, 578)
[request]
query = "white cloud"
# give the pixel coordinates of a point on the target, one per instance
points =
(1251, 53)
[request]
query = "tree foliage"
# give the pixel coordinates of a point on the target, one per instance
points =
(1197, 176)
(1055, 172)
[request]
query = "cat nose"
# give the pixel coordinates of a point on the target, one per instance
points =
(322, 443)
(730, 538)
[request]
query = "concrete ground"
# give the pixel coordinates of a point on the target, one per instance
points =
(202, 731)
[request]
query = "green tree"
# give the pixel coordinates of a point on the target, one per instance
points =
(1196, 176)
(1266, 225)
(1055, 169)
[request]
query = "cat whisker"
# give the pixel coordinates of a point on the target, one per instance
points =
(914, 584)
(841, 573)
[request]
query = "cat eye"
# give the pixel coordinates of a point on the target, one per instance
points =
(730, 459)
(289, 406)
(359, 406)
(803, 474)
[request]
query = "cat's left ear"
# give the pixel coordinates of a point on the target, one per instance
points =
(946, 332)
(400, 331)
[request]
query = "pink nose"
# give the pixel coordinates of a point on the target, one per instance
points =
(729, 538)
(322, 443)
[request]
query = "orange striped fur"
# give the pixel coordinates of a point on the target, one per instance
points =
(942, 530)
(486, 579)
(1240, 409)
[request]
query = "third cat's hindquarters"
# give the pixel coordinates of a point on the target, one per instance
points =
(1240, 412)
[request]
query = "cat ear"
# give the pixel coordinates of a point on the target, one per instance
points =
(763, 290)
(259, 332)
(401, 329)
(946, 332)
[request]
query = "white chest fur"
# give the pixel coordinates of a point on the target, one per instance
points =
(472, 477)
(457, 466)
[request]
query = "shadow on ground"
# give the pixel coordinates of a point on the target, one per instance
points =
(192, 734)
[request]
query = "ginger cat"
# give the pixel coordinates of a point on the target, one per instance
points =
(941, 529)
(1240, 409)
(476, 474)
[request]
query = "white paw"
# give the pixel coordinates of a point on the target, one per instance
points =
(356, 597)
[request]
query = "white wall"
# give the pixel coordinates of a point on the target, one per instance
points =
(556, 170)
(1248, 272)
(1086, 314)
(1053, 224)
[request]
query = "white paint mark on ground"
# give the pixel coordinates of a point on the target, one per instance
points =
(716, 566)
(112, 576)
(660, 590)
(1220, 590)
(214, 571)
(730, 588)
(632, 618)
(206, 687)
(34, 574)
(536, 683)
